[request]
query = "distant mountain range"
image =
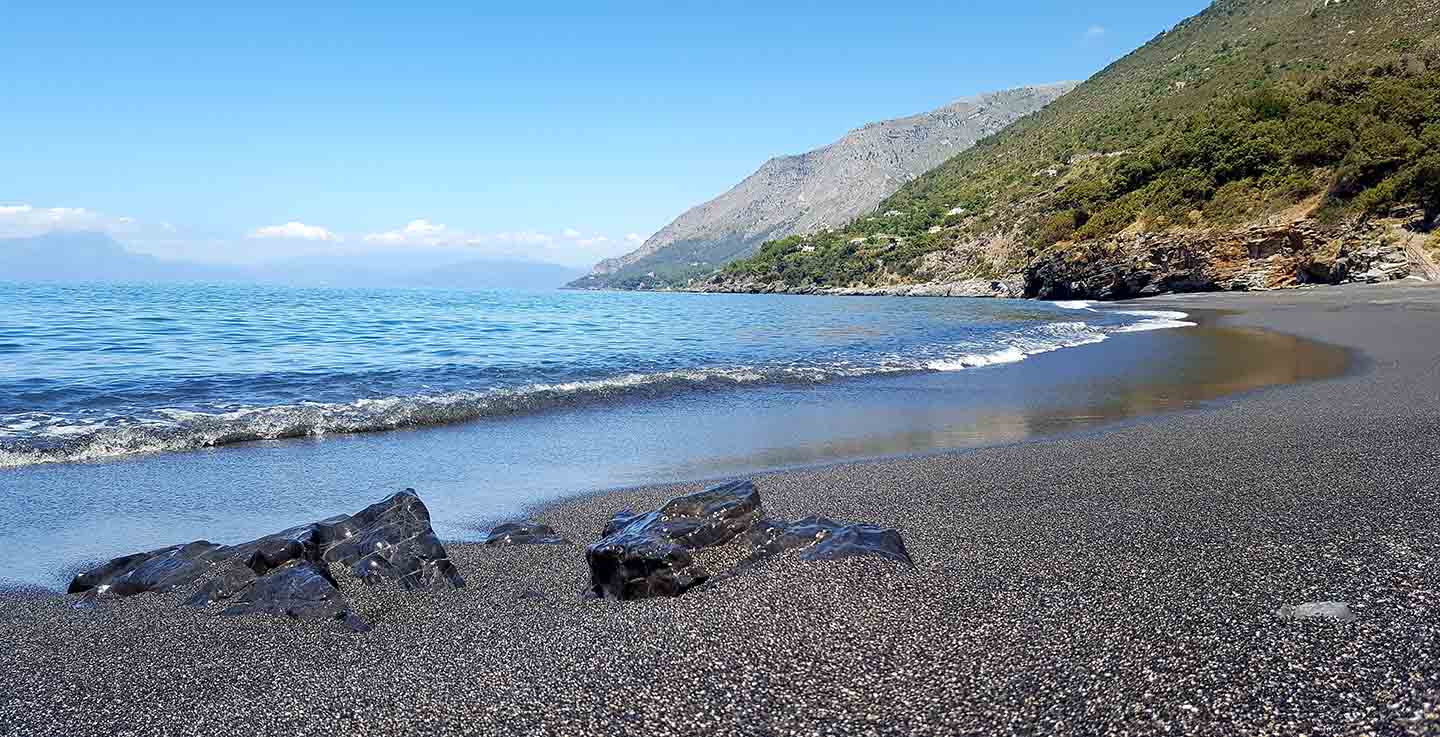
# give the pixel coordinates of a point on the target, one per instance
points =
(823, 188)
(86, 256)
(96, 257)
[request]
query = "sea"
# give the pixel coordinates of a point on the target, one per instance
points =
(89, 372)
(134, 416)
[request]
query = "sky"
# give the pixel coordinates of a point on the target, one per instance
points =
(550, 131)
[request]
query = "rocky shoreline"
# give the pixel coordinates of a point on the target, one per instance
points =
(1258, 257)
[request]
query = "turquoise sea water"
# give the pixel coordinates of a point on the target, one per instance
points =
(98, 371)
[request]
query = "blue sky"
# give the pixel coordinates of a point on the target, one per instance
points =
(542, 130)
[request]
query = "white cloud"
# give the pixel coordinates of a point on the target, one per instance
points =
(295, 230)
(525, 237)
(585, 241)
(1094, 31)
(17, 221)
(420, 232)
(569, 245)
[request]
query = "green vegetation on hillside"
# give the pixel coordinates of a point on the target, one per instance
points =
(1244, 110)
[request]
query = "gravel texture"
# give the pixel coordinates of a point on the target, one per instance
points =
(1128, 581)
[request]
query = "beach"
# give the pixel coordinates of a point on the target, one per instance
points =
(838, 380)
(1125, 577)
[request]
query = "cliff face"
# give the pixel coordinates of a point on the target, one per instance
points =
(823, 188)
(1258, 257)
(1276, 254)
(1243, 258)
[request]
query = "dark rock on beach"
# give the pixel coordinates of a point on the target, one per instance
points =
(235, 568)
(300, 589)
(288, 573)
(157, 570)
(524, 533)
(698, 520)
(391, 540)
(651, 554)
(818, 538)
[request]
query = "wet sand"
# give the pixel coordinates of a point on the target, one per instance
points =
(1125, 579)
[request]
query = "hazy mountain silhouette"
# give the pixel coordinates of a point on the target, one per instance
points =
(96, 257)
(84, 256)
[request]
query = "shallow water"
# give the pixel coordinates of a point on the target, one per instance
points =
(56, 516)
(97, 371)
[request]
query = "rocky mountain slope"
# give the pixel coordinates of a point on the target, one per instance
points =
(1259, 144)
(820, 189)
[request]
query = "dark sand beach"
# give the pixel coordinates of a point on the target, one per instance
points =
(1121, 580)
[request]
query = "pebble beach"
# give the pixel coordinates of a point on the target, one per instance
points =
(1181, 574)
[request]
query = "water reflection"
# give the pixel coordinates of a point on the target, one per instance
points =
(1210, 363)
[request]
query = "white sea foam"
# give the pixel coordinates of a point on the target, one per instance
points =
(48, 439)
(1154, 320)
(1007, 355)
(1042, 339)
(1075, 304)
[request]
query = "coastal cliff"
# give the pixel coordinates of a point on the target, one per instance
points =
(1254, 257)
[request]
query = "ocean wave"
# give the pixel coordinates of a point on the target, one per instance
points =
(193, 430)
(1043, 339)
(36, 438)
(1154, 320)
(1075, 304)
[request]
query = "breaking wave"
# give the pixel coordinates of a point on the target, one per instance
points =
(1042, 339)
(36, 438)
(1154, 320)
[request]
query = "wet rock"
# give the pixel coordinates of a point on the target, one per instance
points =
(650, 554)
(157, 570)
(525, 533)
(654, 554)
(617, 522)
(299, 589)
(235, 568)
(699, 520)
(231, 580)
(1337, 611)
(273, 551)
(819, 538)
(282, 573)
(390, 541)
(638, 567)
